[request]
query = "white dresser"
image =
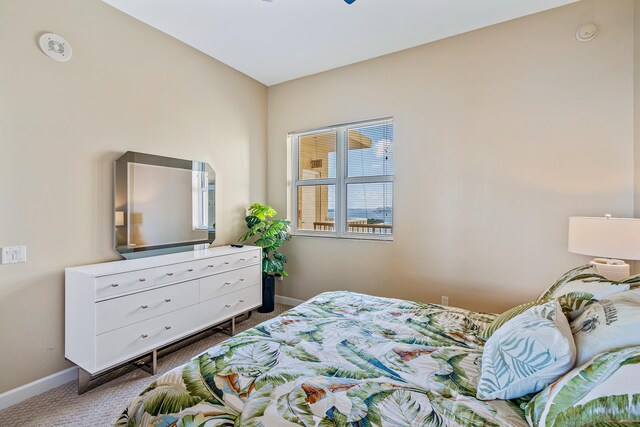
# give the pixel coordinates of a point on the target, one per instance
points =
(119, 311)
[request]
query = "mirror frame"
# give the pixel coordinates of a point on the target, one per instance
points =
(121, 200)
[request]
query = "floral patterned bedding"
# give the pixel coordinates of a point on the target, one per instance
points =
(340, 359)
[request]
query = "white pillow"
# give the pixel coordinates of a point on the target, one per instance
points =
(583, 285)
(527, 353)
(586, 279)
(607, 324)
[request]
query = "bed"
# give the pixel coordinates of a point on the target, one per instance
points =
(342, 359)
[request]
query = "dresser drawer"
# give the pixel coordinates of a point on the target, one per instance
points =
(231, 281)
(127, 310)
(175, 273)
(229, 305)
(116, 284)
(133, 340)
(228, 262)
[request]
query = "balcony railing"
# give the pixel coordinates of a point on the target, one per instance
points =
(356, 226)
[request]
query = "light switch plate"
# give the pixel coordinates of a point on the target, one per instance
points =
(14, 254)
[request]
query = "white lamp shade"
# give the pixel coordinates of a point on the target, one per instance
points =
(605, 237)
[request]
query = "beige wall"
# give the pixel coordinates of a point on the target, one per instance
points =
(636, 38)
(128, 87)
(501, 135)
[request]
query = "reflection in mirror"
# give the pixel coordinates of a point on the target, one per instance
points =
(162, 205)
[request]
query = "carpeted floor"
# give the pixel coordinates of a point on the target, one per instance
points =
(102, 406)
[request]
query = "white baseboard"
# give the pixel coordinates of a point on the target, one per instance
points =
(288, 301)
(27, 391)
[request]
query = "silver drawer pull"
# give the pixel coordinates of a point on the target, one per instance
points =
(227, 306)
(227, 283)
(242, 280)
(226, 263)
(167, 300)
(144, 335)
(167, 327)
(169, 274)
(142, 280)
(190, 270)
(255, 256)
(210, 266)
(145, 306)
(242, 259)
(241, 300)
(114, 285)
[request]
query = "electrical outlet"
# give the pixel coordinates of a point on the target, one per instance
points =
(445, 300)
(14, 254)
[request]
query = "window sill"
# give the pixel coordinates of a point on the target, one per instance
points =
(343, 236)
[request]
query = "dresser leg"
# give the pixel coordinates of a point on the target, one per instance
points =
(227, 330)
(84, 379)
(152, 366)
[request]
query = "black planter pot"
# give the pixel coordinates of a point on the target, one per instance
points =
(268, 294)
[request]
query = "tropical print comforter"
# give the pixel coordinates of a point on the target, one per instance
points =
(340, 359)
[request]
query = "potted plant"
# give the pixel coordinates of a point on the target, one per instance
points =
(269, 234)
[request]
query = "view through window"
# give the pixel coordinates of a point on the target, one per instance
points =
(343, 183)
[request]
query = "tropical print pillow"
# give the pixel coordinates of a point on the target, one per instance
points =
(569, 303)
(610, 323)
(527, 353)
(583, 285)
(603, 392)
(503, 318)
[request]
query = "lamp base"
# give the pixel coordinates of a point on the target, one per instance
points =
(612, 269)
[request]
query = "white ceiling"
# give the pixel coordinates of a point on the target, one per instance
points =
(285, 39)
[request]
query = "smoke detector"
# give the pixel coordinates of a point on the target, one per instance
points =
(586, 32)
(55, 47)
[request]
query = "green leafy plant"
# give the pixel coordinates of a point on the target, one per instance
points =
(269, 234)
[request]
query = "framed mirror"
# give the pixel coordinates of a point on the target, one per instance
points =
(162, 205)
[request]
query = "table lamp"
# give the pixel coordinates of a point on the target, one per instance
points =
(119, 218)
(611, 239)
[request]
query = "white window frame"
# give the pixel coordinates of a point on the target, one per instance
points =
(340, 182)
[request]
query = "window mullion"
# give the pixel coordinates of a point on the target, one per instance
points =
(340, 209)
(322, 181)
(368, 179)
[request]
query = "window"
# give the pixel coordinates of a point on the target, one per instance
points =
(343, 181)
